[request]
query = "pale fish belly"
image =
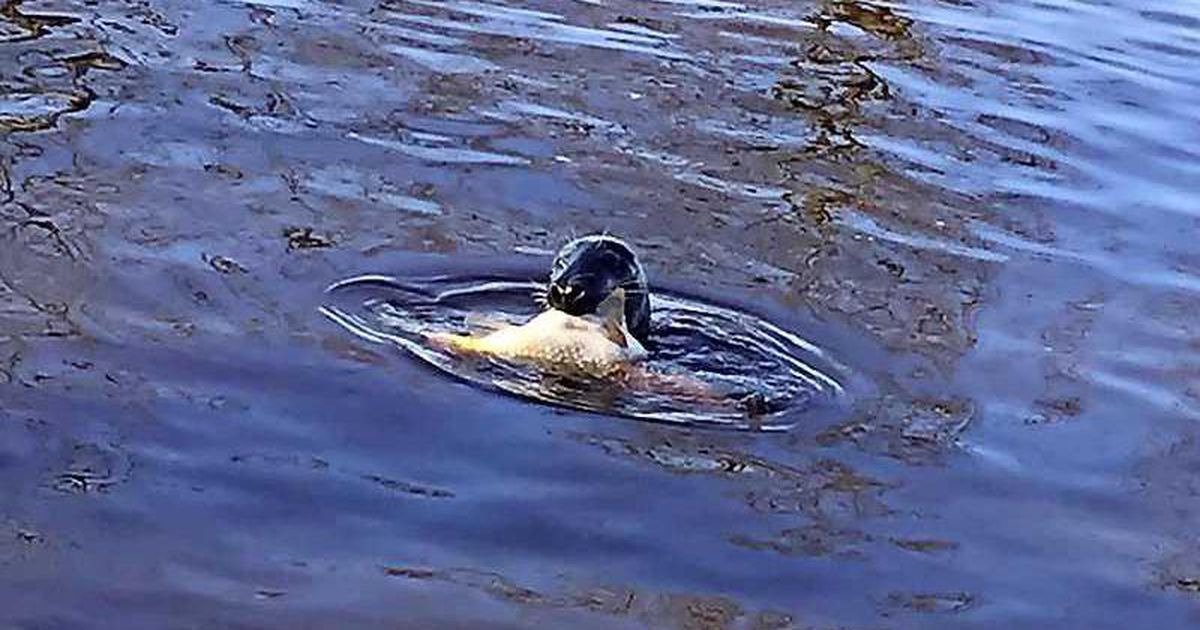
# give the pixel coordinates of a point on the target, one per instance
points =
(552, 340)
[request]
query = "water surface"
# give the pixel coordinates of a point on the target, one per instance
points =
(985, 210)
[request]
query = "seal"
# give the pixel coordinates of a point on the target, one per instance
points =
(587, 270)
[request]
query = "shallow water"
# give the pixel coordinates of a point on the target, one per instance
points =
(985, 210)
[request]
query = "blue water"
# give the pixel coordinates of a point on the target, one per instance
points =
(984, 212)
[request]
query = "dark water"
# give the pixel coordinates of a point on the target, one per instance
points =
(986, 210)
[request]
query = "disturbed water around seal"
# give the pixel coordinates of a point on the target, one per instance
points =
(986, 212)
(710, 366)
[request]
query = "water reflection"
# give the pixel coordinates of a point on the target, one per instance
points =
(20, 25)
(986, 211)
(41, 86)
(828, 501)
(660, 610)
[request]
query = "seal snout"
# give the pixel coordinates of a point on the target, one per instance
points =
(567, 296)
(579, 289)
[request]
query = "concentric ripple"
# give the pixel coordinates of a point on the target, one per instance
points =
(741, 371)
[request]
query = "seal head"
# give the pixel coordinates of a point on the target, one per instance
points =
(587, 270)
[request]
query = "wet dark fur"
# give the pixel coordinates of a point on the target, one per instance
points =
(588, 269)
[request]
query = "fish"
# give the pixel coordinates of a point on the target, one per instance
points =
(597, 345)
